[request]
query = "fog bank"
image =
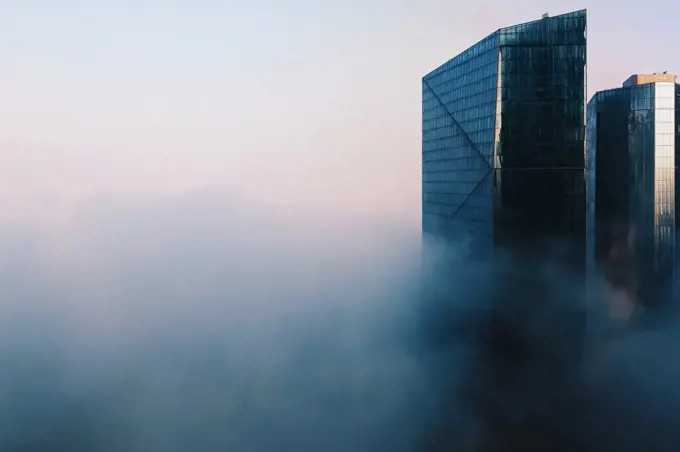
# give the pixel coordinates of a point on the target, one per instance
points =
(205, 322)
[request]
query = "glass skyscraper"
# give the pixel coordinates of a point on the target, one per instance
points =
(504, 141)
(631, 190)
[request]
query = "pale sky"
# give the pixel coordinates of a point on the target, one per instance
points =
(311, 105)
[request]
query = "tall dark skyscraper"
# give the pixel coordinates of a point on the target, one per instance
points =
(504, 141)
(631, 191)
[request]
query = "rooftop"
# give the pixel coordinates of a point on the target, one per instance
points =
(641, 79)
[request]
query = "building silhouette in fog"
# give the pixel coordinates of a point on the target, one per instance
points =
(631, 160)
(503, 143)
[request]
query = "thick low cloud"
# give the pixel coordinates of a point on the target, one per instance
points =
(202, 322)
(532, 364)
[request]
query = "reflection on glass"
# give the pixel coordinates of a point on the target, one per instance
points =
(504, 139)
(631, 139)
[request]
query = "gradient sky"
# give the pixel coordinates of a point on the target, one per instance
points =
(311, 105)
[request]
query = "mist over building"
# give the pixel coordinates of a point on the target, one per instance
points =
(503, 143)
(503, 174)
(514, 158)
(632, 136)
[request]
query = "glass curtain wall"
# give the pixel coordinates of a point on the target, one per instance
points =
(459, 101)
(540, 181)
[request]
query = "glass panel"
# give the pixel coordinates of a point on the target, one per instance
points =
(504, 140)
(634, 192)
(540, 180)
(459, 112)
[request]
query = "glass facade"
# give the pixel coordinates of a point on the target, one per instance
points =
(504, 140)
(459, 101)
(540, 165)
(591, 185)
(663, 228)
(631, 140)
(677, 159)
